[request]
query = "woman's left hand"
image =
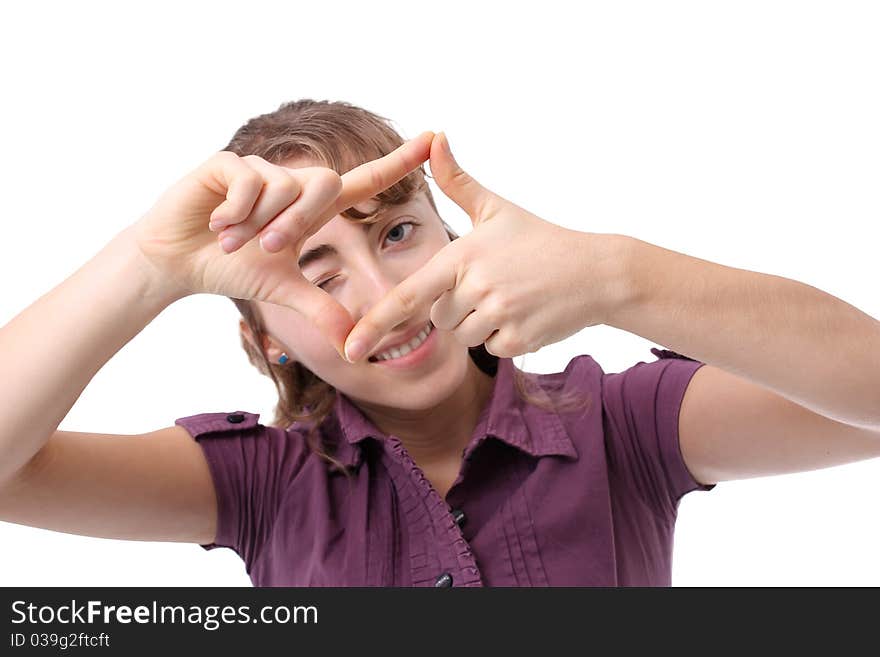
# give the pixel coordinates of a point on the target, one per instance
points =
(515, 282)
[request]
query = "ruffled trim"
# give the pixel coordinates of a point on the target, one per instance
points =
(436, 544)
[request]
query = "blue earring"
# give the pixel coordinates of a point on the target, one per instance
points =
(283, 359)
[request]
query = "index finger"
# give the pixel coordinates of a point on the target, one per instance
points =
(409, 297)
(369, 179)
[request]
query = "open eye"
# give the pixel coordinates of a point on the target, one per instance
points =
(395, 230)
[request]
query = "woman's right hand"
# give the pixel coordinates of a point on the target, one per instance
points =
(246, 198)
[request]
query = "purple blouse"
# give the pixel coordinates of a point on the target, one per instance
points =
(543, 498)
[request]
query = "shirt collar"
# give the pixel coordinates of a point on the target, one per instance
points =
(506, 417)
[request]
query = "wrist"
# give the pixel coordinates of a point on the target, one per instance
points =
(620, 259)
(152, 285)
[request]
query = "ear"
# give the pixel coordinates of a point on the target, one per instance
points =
(246, 333)
(271, 348)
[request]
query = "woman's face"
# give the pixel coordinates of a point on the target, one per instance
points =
(372, 259)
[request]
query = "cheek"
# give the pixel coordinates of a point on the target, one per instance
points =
(301, 336)
(312, 347)
(427, 250)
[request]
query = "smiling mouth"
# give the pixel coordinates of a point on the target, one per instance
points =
(404, 349)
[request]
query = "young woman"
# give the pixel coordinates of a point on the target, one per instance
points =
(427, 459)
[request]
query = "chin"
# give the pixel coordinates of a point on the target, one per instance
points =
(419, 393)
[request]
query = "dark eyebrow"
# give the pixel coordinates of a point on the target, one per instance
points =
(318, 253)
(322, 251)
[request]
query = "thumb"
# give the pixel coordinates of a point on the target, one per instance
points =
(458, 185)
(329, 316)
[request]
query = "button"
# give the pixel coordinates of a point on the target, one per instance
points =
(459, 516)
(444, 580)
(235, 418)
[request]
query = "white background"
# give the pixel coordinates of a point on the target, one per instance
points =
(743, 133)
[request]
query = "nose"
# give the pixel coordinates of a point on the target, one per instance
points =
(375, 281)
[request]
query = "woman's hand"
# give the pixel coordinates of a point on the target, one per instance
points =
(516, 282)
(246, 197)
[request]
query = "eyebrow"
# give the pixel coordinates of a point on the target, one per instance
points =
(322, 251)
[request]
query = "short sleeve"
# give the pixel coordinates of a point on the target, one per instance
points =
(641, 415)
(251, 466)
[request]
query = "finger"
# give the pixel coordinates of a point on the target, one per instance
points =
(407, 300)
(329, 316)
(501, 345)
(280, 190)
(475, 329)
(227, 174)
(306, 215)
(453, 307)
(467, 193)
(369, 179)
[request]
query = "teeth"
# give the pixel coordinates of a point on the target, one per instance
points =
(406, 348)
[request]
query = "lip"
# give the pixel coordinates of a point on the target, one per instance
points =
(413, 358)
(402, 341)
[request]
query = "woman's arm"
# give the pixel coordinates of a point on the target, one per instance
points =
(54, 347)
(802, 343)
(791, 381)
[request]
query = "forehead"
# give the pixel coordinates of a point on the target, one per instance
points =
(338, 225)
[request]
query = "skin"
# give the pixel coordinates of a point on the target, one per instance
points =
(432, 407)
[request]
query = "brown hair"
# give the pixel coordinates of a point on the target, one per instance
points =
(340, 136)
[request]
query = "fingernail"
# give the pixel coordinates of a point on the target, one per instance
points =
(272, 241)
(229, 244)
(354, 350)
